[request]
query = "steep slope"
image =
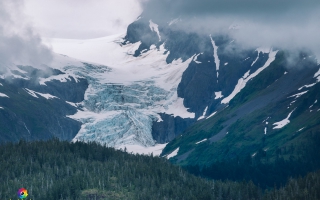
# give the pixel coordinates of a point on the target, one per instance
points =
(123, 100)
(30, 110)
(275, 113)
(155, 81)
(158, 83)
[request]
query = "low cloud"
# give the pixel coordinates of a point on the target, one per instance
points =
(18, 42)
(287, 24)
(82, 19)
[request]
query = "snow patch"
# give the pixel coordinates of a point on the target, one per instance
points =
(218, 95)
(255, 59)
(60, 77)
(1, 107)
(284, 122)
(215, 55)
(3, 95)
(1, 84)
(243, 81)
(173, 154)
(159, 119)
(47, 96)
(136, 149)
(177, 109)
(202, 141)
(301, 129)
(317, 75)
(33, 93)
(264, 49)
(195, 59)
(307, 86)
(285, 73)
(72, 104)
(225, 64)
(265, 130)
(313, 104)
(26, 128)
(266, 120)
(154, 28)
(298, 95)
(212, 114)
(204, 113)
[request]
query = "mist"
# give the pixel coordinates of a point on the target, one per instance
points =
(286, 24)
(19, 44)
(82, 19)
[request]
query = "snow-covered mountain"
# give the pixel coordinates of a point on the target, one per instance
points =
(142, 89)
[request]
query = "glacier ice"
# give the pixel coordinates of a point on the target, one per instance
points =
(124, 98)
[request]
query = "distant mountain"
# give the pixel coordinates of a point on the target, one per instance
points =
(205, 95)
(245, 101)
(35, 102)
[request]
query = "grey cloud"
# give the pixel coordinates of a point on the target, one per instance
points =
(291, 24)
(221, 7)
(18, 43)
(82, 19)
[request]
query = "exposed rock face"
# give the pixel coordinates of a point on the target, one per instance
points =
(218, 64)
(33, 111)
(163, 80)
(170, 127)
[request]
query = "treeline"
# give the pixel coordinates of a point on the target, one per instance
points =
(263, 172)
(61, 170)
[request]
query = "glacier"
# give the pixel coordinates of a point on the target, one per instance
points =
(125, 93)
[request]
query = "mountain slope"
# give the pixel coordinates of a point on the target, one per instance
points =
(158, 82)
(33, 111)
(275, 112)
(183, 78)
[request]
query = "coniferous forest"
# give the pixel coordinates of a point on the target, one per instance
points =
(60, 170)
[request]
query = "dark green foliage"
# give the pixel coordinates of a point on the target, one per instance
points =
(60, 170)
(307, 187)
(258, 169)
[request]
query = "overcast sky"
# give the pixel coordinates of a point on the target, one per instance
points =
(290, 24)
(81, 19)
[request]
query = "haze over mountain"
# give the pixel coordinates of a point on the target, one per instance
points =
(223, 89)
(191, 77)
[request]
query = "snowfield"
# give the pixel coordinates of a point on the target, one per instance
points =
(125, 93)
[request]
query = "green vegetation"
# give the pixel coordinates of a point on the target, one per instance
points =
(60, 170)
(54, 170)
(248, 147)
(246, 126)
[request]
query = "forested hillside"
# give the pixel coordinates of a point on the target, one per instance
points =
(60, 170)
